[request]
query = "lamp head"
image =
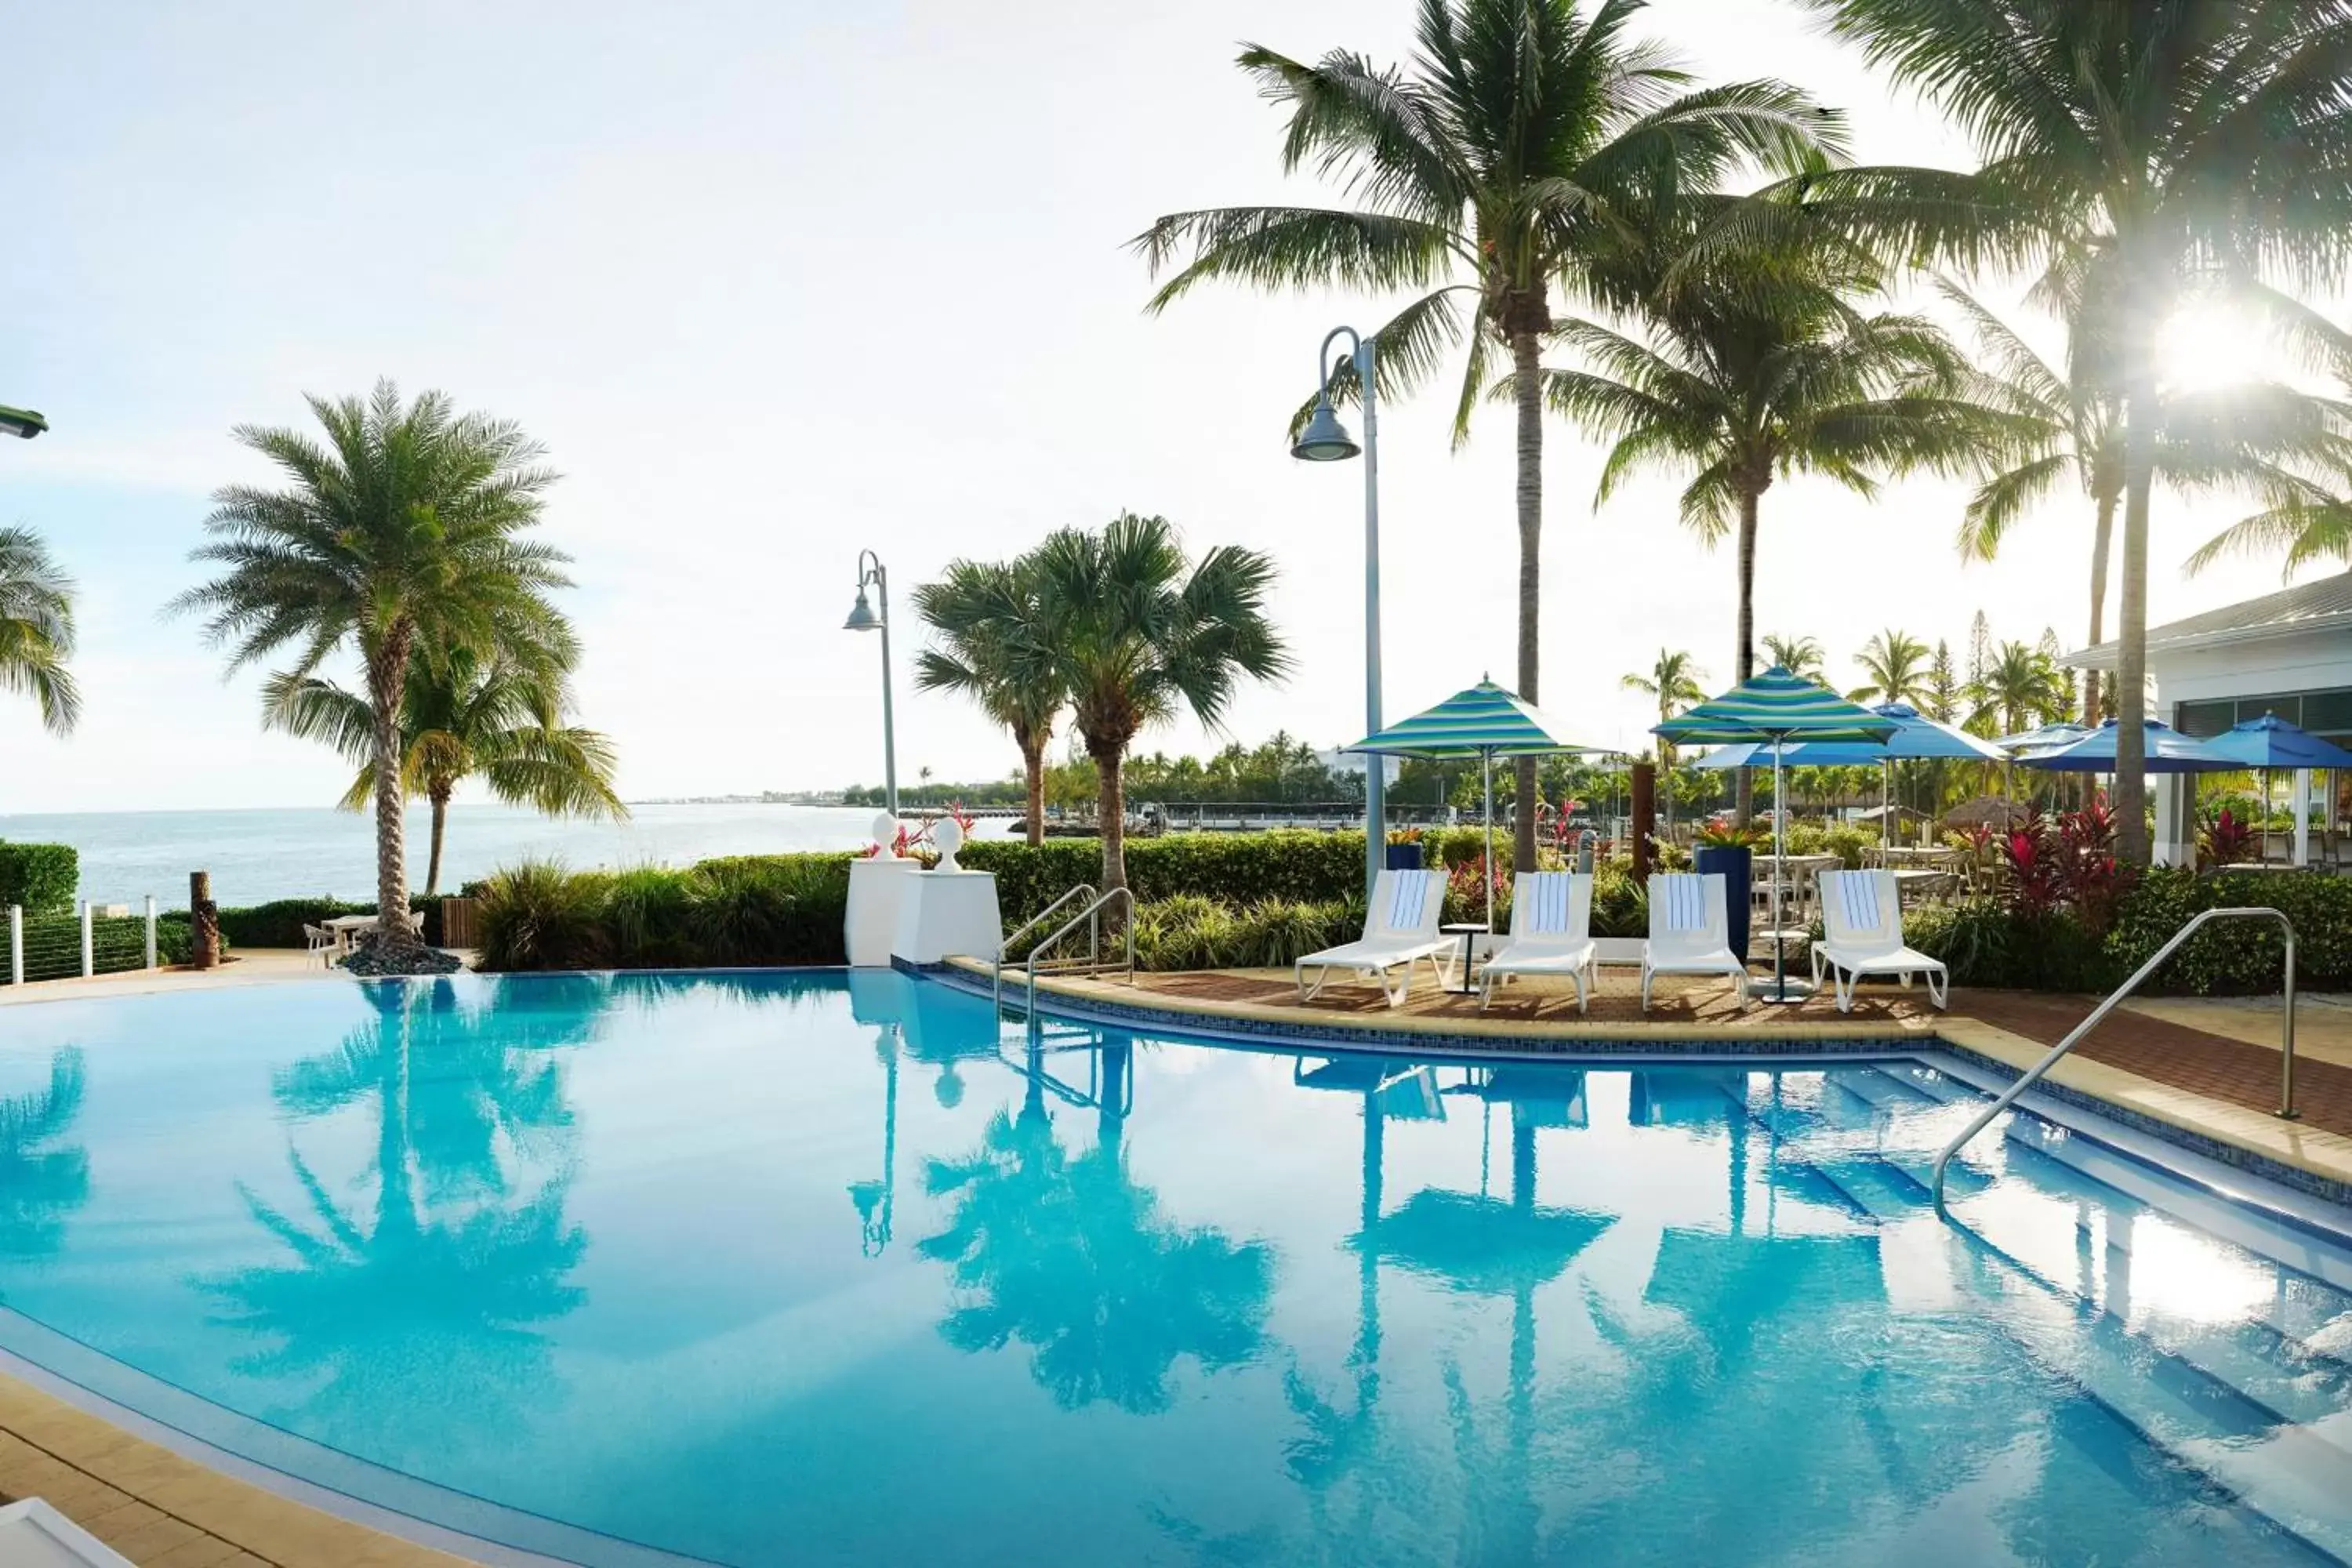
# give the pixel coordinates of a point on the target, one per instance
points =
(22, 421)
(862, 617)
(1324, 439)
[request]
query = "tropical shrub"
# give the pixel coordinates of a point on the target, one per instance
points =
(740, 911)
(2224, 839)
(40, 876)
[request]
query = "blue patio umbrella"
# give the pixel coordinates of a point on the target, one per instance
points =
(2057, 733)
(1777, 707)
(2168, 751)
(1914, 737)
(1483, 722)
(2270, 742)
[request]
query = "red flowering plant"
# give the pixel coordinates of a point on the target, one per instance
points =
(1466, 885)
(2225, 840)
(912, 841)
(2067, 861)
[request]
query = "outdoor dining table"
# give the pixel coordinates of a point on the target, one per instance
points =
(1920, 855)
(346, 927)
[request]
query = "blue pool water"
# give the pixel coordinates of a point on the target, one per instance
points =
(823, 1269)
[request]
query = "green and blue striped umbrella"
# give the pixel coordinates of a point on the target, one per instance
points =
(1483, 722)
(1774, 706)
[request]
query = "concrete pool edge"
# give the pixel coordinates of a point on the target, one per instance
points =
(2311, 1160)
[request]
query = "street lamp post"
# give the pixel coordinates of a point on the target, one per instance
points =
(21, 422)
(1326, 440)
(864, 617)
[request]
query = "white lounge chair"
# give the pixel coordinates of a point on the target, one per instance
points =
(1861, 926)
(1399, 931)
(1551, 933)
(1690, 932)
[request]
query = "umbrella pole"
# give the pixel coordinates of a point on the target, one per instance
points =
(1780, 868)
(1486, 763)
(1886, 804)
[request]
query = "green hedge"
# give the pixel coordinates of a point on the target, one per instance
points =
(747, 910)
(40, 876)
(53, 944)
(1985, 945)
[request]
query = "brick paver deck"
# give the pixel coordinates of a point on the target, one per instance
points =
(2194, 1059)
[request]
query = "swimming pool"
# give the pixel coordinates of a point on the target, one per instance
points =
(827, 1269)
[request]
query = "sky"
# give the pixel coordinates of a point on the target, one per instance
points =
(775, 283)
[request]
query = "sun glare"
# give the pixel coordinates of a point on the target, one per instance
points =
(2205, 349)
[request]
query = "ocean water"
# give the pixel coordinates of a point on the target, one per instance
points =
(257, 856)
(815, 1269)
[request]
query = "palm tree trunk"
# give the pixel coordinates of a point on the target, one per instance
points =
(2131, 663)
(1745, 808)
(2102, 538)
(1525, 387)
(387, 679)
(439, 795)
(1110, 810)
(1033, 776)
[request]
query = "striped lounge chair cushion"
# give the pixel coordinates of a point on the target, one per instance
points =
(1547, 905)
(1685, 902)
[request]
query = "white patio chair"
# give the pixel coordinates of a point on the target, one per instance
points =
(320, 941)
(1551, 933)
(1399, 931)
(1690, 932)
(1862, 926)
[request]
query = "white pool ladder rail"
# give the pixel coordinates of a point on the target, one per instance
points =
(2074, 1036)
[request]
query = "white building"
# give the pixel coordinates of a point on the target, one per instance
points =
(2288, 653)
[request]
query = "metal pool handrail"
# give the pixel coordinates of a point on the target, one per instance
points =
(2075, 1035)
(996, 988)
(1091, 916)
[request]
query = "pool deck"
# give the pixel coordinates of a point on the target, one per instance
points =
(162, 1511)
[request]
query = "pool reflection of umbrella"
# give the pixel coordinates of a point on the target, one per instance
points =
(1485, 1246)
(1777, 707)
(1483, 722)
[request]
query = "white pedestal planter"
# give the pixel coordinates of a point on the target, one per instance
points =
(877, 890)
(949, 913)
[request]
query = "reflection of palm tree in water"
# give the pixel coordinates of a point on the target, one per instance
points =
(1069, 1257)
(41, 1182)
(429, 1304)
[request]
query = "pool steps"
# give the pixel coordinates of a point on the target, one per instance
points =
(2261, 1404)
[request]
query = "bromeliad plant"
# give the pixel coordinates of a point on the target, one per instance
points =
(1724, 832)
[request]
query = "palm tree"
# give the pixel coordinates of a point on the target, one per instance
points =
(973, 609)
(1742, 370)
(36, 628)
(1674, 682)
(2167, 153)
(1520, 146)
(1133, 631)
(1898, 665)
(2072, 428)
(500, 721)
(403, 532)
(1802, 657)
(2020, 687)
